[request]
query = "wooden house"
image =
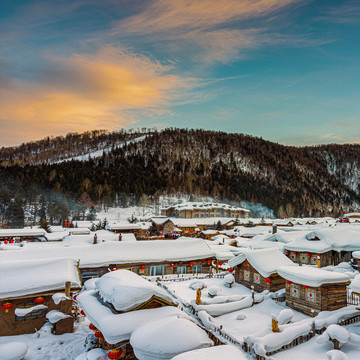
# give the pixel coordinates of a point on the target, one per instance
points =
(311, 290)
(125, 302)
(19, 235)
(29, 294)
(258, 269)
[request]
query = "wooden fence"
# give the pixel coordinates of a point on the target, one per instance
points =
(352, 299)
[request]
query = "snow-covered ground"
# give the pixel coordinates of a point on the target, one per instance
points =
(53, 347)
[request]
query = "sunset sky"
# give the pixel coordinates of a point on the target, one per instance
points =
(285, 70)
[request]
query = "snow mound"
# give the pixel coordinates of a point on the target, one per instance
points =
(285, 316)
(197, 284)
(126, 290)
(13, 351)
(336, 355)
(55, 315)
(240, 317)
(97, 354)
(214, 291)
(58, 297)
(168, 337)
(25, 311)
(90, 284)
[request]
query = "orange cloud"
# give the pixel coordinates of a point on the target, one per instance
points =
(89, 91)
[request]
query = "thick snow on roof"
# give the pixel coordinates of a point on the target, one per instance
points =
(310, 276)
(126, 290)
(20, 278)
(204, 206)
(123, 226)
(118, 327)
(22, 232)
(119, 252)
(227, 352)
(168, 337)
(309, 242)
(265, 261)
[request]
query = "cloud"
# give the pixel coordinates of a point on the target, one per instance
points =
(347, 13)
(218, 29)
(86, 91)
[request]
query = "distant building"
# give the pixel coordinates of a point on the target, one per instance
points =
(204, 210)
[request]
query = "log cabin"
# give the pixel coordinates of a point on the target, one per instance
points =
(29, 292)
(311, 290)
(258, 269)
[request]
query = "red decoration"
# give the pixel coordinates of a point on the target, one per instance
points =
(11, 241)
(319, 256)
(172, 265)
(294, 253)
(142, 267)
(287, 252)
(288, 282)
(191, 263)
(98, 334)
(6, 306)
(220, 263)
(308, 254)
(268, 281)
(306, 287)
(114, 354)
(39, 300)
(246, 262)
(75, 296)
(5, 241)
(359, 262)
(82, 312)
(209, 262)
(231, 270)
(92, 327)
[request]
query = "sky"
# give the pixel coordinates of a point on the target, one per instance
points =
(283, 70)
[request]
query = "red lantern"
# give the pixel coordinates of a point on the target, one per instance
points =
(220, 263)
(246, 262)
(359, 262)
(308, 254)
(288, 282)
(11, 241)
(114, 269)
(268, 281)
(319, 256)
(287, 252)
(39, 300)
(92, 327)
(98, 334)
(231, 270)
(209, 262)
(114, 354)
(6, 306)
(191, 263)
(82, 313)
(172, 265)
(294, 252)
(142, 268)
(5, 241)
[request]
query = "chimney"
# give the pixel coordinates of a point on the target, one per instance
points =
(95, 239)
(120, 237)
(274, 229)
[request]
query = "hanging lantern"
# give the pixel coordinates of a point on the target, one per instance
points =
(82, 312)
(288, 282)
(319, 257)
(172, 265)
(231, 270)
(6, 306)
(142, 267)
(92, 327)
(5, 241)
(191, 263)
(294, 252)
(11, 241)
(114, 269)
(308, 254)
(220, 263)
(287, 252)
(268, 281)
(39, 300)
(209, 262)
(114, 354)
(246, 262)
(359, 262)
(98, 334)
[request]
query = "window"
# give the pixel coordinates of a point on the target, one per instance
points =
(304, 258)
(157, 270)
(181, 269)
(246, 275)
(89, 275)
(311, 295)
(293, 255)
(197, 269)
(294, 290)
(257, 278)
(313, 260)
(35, 314)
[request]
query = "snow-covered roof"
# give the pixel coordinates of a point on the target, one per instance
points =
(168, 337)
(56, 235)
(118, 327)
(205, 206)
(117, 252)
(310, 276)
(210, 232)
(126, 290)
(265, 261)
(159, 220)
(123, 226)
(353, 214)
(227, 352)
(79, 231)
(22, 232)
(26, 277)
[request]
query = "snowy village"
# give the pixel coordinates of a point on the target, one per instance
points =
(202, 288)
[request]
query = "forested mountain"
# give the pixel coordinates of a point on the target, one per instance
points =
(315, 181)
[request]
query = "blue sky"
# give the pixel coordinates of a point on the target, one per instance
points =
(285, 70)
